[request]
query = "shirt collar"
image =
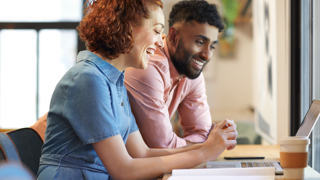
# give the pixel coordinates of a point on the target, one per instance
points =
(112, 73)
(173, 71)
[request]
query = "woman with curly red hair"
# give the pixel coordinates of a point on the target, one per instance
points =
(91, 132)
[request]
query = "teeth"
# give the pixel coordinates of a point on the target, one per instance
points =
(199, 63)
(150, 51)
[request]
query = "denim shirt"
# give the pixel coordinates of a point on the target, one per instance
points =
(89, 104)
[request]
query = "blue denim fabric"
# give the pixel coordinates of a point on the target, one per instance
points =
(89, 104)
(9, 149)
(14, 170)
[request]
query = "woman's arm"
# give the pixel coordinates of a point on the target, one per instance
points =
(120, 164)
(137, 148)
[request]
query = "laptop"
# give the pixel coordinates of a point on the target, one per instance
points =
(305, 129)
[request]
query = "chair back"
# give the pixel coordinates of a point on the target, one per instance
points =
(22, 145)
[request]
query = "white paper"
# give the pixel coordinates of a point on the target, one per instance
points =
(260, 173)
(221, 178)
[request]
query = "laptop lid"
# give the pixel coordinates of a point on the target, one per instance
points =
(310, 119)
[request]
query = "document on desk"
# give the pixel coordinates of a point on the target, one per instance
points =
(224, 174)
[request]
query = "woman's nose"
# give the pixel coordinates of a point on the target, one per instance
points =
(159, 42)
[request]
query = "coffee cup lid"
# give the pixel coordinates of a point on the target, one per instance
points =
(294, 140)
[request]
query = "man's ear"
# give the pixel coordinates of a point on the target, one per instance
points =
(173, 36)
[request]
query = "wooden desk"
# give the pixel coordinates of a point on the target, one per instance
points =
(270, 152)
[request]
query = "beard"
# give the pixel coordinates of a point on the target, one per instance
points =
(182, 60)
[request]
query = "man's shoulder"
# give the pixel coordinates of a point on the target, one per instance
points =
(160, 61)
(196, 84)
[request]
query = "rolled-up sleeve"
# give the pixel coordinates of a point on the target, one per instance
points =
(146, 94)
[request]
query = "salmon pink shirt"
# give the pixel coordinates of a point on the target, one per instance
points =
(157, 92)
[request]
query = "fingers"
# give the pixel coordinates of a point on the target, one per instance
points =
(231, 135)
(230, 129)
(226, 126)
(232, 145)
(226, 123)
(223, 136)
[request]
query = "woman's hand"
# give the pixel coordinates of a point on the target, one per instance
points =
(222, 136)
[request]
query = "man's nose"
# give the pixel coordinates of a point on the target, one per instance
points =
(206, 53)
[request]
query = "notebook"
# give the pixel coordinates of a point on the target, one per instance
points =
(305, 129)
(224, 174)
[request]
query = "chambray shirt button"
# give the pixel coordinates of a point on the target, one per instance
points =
(121, 103)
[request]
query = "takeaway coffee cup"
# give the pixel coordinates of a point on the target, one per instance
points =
(294, 156)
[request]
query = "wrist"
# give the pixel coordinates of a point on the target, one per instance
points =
(203, 154)
(209, 154)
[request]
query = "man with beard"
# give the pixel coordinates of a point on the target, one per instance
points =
(173, 79)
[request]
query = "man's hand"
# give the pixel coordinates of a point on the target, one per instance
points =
(232, 127)
(222, 136)
(228, 125)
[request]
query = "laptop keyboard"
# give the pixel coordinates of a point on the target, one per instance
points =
(256, 164)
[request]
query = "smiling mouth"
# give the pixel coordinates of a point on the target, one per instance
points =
(150, 52)
(198, 62)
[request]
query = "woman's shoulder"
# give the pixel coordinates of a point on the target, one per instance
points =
(89, 67)
(86, 68)
(83, 75)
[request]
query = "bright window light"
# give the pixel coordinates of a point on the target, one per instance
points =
(18, 78)
(57, 54)
(40, 10)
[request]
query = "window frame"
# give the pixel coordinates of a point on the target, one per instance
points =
(309, 85)
(38, 26)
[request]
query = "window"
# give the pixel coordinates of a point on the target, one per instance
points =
(310, 70)
(41, 11)
(38, 44)
(18, 73)
(316, 80)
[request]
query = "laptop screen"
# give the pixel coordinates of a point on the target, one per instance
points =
(310, 119)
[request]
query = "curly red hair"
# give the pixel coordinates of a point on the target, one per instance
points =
(108, 24)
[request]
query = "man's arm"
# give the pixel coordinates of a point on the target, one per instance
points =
(194, 111)
(146, 95)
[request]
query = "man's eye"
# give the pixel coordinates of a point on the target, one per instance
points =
(212, 47)
(158, 32)
(200, 42)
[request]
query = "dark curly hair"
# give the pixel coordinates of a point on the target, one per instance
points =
(108, 24)
(198, 10)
